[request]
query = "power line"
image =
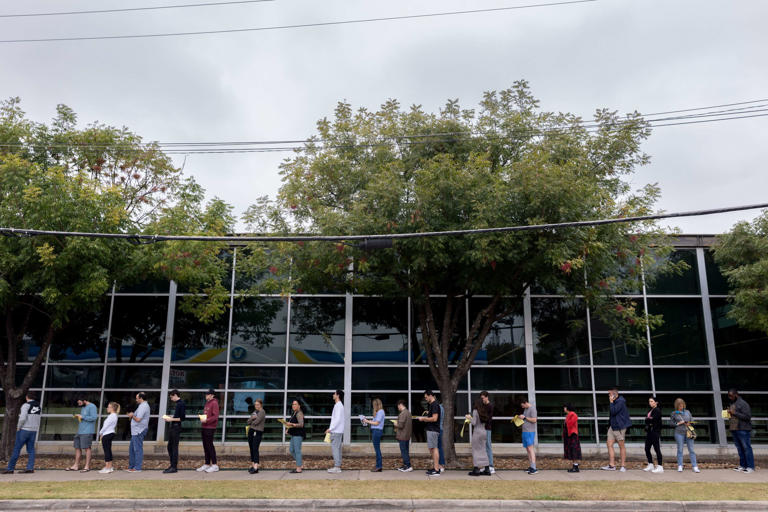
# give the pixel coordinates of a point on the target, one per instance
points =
(294, 26)
(131, 9)
(139, 238)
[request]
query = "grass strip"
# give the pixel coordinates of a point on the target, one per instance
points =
(385, 489)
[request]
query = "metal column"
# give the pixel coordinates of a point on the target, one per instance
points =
(166, 376)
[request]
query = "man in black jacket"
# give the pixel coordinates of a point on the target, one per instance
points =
(174, 430)
(741, 430)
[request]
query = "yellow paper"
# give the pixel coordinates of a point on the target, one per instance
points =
(166, 417)
(726, 414)
(281, 420)
(466, 422)
(247, 428)
(394, 422)
(77, 418)
(327, 437)
(202, 417)
(518, 421)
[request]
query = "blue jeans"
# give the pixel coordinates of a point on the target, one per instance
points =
(488, 448)
(136, 450)
(683, 439)
(376, 434)
(23, 437)
(440, 449)
(295, 449)
(404, 447)
(743, 441)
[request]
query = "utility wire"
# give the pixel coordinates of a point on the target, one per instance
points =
(131, 9)
(294, 26)
(139, 238)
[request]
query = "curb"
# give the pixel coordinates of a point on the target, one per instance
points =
(367, 505)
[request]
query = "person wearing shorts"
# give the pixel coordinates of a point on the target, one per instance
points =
(432, 419)
(529, 434)
(617, 431)
(86, 428)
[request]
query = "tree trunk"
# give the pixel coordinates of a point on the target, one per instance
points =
(448, 399)
(14, 399)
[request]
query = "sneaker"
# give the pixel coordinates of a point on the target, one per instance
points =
(441, 470)
(658, 469)
(131, 470)
(432, 472)
(204, 467)
(696, 469)
(8, 472)
(608, 468)
(680, 469)
(212, 469)
(649, 467)
(28, 471)
(170, 470)
(574, 469)
(405, 469)
(490, 468)
(749, 470)
(533, 471)
(105, 471)
(334, 470)
(376, 470)
(623, 469)
(739, 469)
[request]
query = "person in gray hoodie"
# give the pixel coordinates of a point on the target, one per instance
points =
(741, 430)
(26, 432)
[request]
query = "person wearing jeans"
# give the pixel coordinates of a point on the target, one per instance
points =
(485, 397)
(295, 426)
(26, 432)
(377, 431)
(681, 418)
(403, 430)
(139, 428)
(440, 449)
(741, 430)
(336, 430)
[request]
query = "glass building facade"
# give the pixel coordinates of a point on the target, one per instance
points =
(278, 349)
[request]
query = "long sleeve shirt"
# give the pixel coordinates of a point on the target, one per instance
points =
(620, 414)
(337, 418)
(572, 423)
(109, 425)
(29, 416)
(678, 416)
(379, 418)
(257, 420)
(89, 415)
(404, 427)
(211, 410)
(741, 415)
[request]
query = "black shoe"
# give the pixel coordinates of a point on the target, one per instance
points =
(252, 470)
(170, 470)
(486, 471)
(432, 472)
(28, 471)
(376, 470)
(532, 471)
(474, 472)
(8, 472)
(574, 469)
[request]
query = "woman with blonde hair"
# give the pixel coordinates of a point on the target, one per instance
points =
(681, 418)
(107, 434)
(377, 431)
(295, 426)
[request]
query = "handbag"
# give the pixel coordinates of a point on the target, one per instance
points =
(690, 432)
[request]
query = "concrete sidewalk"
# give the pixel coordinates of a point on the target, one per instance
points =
(713, 475)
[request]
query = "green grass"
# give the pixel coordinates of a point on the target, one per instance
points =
(695, 491)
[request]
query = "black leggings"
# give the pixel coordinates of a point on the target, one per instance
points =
(653, 439)
(208, 448)
(254, 440)
(106, 444)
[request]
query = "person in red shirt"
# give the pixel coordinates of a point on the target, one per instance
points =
(209, 424)
(571, 443)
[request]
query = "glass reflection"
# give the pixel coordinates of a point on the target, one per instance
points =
(559, 331)
(505, 343)
(138, 329)
(379, 331)
(317, 331)
(680, 339)
(734, 344)
(258, 331)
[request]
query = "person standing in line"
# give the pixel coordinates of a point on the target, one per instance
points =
(107, 434)
(653, 436)
(529, 434)
(440, 449)
(741, 430)
(432, 419)
(479, 418)
(255, 432)
(139, 428)
(86, 429)
(174, 430)
(619, 423)
(377, 431)
(336, 430)
(681, 419)
(403, 431)
(485, 397)
(571, 443)
(295, 426)
(208, 432)
(26, 431)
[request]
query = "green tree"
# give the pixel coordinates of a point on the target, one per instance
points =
(506, 163)
(50, 180)
(743, 258)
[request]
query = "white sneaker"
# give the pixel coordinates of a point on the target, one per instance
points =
(680, 469)
(649, 467)
(490, 468)
(695, 469)
(749, 470)
(739, 469)
(441, 470)
(658, 469)
(608, 468)
(334, 470)
(204, 467)
(212, 469)
(105, 471)
(623, 469)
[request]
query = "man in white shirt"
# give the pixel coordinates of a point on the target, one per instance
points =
(337, 430)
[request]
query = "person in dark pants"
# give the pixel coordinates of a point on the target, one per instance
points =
(403, 431)
(255, 426)
(107, 433)
(740, 425)
(209, 420)
(174, 430)
(653, 436)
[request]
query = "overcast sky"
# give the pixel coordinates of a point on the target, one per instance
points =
(649, 55)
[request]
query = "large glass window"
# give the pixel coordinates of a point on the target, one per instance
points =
(315, 378)
(743, 379)
(421, 379)
(458, 336)
(379, 331)
(362, 403)
(493, 379)
(317, 331)
(734, 344)
(259, 331)
(74, 376)
(134, 377)
(559, 332)
(608, 349)
(683, 379)
(680, 339)
(238, 404)
(686, 283)
(552, 404)
(197, 377)
(716, 281)
(556, 379)
(255, 377)
(379, 378)
(199, 342)
(504, 404)
(624, 378)
(138, 329)
(505, 343)
(83, 338)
